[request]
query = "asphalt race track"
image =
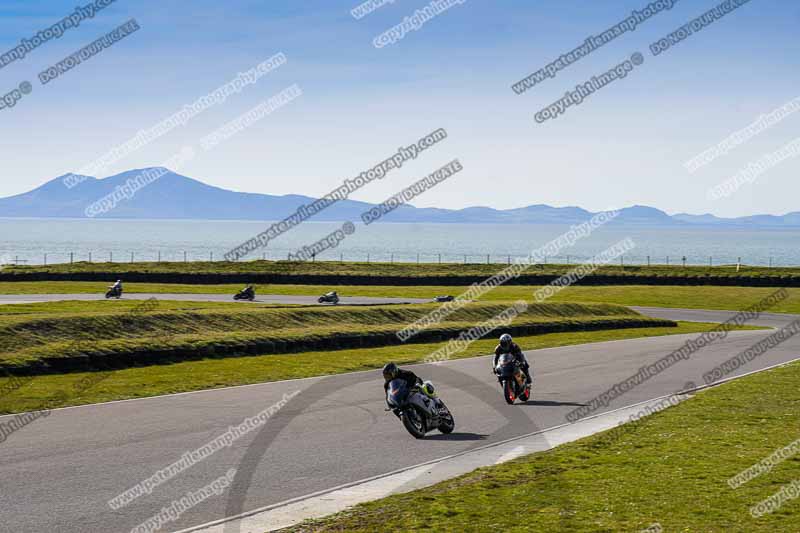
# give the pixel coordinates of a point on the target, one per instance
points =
(58, 473)
(266, 298)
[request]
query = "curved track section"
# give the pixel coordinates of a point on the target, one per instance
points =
(60, 472)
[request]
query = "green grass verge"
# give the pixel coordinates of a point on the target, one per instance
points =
(100, 335)
(671, 468)
(700, 297)
(59, 390)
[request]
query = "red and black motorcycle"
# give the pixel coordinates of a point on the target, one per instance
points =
(512, 379)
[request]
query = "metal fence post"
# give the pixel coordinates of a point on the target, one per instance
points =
(440, 259)
(70, 258)
(159, 256)
(45, 259)
(184, 256)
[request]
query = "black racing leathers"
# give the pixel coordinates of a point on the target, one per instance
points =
(516, 351)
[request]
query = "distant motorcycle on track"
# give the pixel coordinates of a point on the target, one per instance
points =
(114, 292)
(419, 408)
(329, 297)
(248, 293)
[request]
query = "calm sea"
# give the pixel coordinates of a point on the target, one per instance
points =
(28, 241)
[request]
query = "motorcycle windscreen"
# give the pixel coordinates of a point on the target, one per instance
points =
(397, 392)
(505, 359)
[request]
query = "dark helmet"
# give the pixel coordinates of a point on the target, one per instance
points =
(390, 371)
(505, 341)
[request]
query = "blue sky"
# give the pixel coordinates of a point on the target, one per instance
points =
(627, 144)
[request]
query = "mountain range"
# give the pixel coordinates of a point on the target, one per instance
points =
(173, 196)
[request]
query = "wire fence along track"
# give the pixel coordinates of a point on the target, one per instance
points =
(217, 255)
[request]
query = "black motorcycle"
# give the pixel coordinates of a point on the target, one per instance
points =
(245, 294)
(330, 298)
(511, 377)
(419, 408)
(114, 292)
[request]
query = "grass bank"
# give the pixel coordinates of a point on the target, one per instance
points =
(353, 273)
(669, 469)
(383, 269)
(98, 335)
(71, 389)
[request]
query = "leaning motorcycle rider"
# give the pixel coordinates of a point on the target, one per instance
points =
(507, 345)
(391, 372)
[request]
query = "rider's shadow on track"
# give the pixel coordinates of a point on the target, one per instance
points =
(456, 436)
(547, 403)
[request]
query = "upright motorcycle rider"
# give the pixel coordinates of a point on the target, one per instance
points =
(507, 345)
(117, 287)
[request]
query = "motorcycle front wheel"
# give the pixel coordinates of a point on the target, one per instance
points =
(508, 391)
(413, 422)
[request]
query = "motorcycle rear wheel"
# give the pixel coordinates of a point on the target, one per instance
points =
(526, 395)
(448, 422)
